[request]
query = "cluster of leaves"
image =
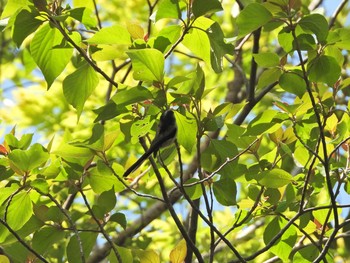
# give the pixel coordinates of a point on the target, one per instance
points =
(273, 149)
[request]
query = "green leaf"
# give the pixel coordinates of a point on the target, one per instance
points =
(202, 7)
(107, 200)
(19, 211)
(101, 179)
(140, 128)
(262, 123)
(187, 131)
(292, 82)
(282, 247)
(167, 37)
(305, 42)
(274, 178)
(216, 154)
(344, 38)
(218, 47)
(111, 35)
(25, 23)
(74, 154)
(78, 86)
(84, 15)
(301, 156)
(197, 39)
(132, 95)
(316, 24)
(251, 18)
(6, 192)
(271, 230)
(194, 192)
(96, 141)
(306, 254)
(23, 143)
(192, 84)
(12, 6)
(27, 160)
(46, 237)
(267, 60)
(324, 69)
(148, 64)
(286, 39)
(73, 250)
(109, 111)
(168, 9)
(40, 184)
(51, 52)
(119, 218)
(268, 77)
(4, 259)
(225, 191)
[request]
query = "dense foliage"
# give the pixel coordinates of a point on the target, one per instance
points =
(260, 169)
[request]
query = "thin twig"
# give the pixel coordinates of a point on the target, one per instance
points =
(319, 123)
(100, 226)
(20, 240)
(70, 220)
(234, 250)
(336, 13)
(82, 52)
(171, 208)
(228, 160)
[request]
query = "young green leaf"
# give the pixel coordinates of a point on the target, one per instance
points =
(148, 64)
(73, 250)
(78, 86)
(27, 160)
(111, 35)
(267, 60)
(316, 24)
(168, 9)
(324, 69)
(225, 191)
(50, 52)
(20, 210)
(25, 23)
(132, 95)
(252, 17)
(292, 82)
(274, 178)
(187, 130)
(202, 7)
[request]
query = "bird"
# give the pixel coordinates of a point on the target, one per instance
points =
(165, 136)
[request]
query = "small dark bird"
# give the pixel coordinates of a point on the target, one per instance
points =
(166, 135)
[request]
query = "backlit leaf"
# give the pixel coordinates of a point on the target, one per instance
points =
(178, 254)
(78, 86)
(20, 210)
(274, 178)
(251, 18)
(148, 64)
(51, 52)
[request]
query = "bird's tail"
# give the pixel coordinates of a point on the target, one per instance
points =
(138, 162)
